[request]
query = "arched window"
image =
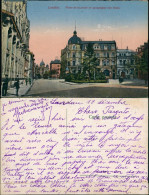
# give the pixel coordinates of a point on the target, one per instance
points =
(73, 47)
(9, 32)
(73, 55)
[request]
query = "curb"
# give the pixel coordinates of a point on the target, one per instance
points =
(27, 90)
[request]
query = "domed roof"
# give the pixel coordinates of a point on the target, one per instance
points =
(74, 39)
(42, 63)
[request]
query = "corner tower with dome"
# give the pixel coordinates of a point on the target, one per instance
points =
(72, 55)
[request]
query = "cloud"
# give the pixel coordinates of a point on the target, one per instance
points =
(106, 28)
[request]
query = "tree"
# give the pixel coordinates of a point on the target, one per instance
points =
(53, 72)
(89, 61)
(142, 63)
(63, 68)
(46, 75)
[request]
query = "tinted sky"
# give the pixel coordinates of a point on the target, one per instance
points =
(125, 22)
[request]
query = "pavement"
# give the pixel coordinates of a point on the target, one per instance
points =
(59, 88)
(95, 92)
(23, 90)
(134, 82)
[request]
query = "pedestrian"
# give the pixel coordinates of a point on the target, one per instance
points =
(26, 80)
(30, 81)
(17, 85)
(5, 86)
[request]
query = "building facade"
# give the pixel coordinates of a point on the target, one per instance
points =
(41, 70)
(126, 67)
(72, 55)
(16, 57)
(55, 69)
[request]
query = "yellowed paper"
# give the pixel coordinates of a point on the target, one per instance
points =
(74, 146)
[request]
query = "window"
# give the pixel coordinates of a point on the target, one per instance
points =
(113, 62)
(112, 54)
(95, 47)
(74, 63)
(105, 54)
(97, 54)
(105, 47)
(107, 62)
(103, 62)
(73, 55)
(102, 47)
(109, 47)
(108, 55)
(68, 63)
(73, 47)
(131, 71)
(132, 62)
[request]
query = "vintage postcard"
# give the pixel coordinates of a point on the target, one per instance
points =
(74, 146)
(74, 106)
(95, 49)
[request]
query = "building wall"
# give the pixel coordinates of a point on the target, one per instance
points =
(106, 54)
(126, 63)
(40, 70)
(56, 67)
(15, 39)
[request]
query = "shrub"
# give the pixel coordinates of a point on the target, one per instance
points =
(69, 77)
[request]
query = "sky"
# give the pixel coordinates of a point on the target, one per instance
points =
(52, 24)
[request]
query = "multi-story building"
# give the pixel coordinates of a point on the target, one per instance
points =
(72, 55)
(41, 70)
(29, 66)
(126, 66)
(55, 67)
(15, 40)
